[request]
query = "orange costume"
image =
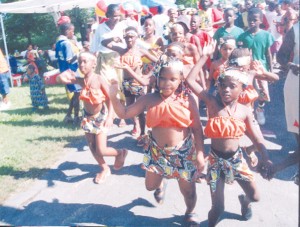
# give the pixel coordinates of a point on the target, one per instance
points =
(234, 167)
(249, 95)
(171, 162)
(92, 123)
(133, 59)
(168, 115)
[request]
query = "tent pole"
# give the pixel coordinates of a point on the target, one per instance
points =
(5, 47)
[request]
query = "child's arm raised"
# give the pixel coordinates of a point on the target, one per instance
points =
(129, 111)
(193, 75)
(262, 74)
(109, 43)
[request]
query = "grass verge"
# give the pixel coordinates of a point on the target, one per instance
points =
(31, 142)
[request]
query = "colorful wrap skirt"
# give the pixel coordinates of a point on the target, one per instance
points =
(94, 123)
(233, 168)
(177, 162)
(132, 87)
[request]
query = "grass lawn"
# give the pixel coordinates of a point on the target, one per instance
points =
(31, 142)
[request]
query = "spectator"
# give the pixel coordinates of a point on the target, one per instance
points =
(4, 84)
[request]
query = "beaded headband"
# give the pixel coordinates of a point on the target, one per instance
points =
(235, 74)
(240, 61)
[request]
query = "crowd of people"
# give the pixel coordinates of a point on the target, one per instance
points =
(161, 70)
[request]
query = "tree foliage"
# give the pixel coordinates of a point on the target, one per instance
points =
(187, 3)
(39, 29)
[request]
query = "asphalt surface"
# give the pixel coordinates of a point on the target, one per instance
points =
(66, 194)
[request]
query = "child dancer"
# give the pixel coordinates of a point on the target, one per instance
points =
(131, 56)
(96, 119)
(173, 116)
(37, 89)
(226, 46)
(241, 58)
(228, 121)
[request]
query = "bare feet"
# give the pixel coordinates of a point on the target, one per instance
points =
(120, 159)
(101, 177)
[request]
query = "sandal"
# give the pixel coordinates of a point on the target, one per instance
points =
(101, 177)
(160, 193)
(120, 159)
(245, 208)
(191, 219)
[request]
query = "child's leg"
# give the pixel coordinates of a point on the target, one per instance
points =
(252, 195)
(155, 182)
(130, 100)
(76, 103)
(91, 139)
(217, 200)
(250, 189)
(188, 190)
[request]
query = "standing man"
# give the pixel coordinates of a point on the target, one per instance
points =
(4, 84)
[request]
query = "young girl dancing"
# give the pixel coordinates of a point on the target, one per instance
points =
(173, 116)
(96, 117)
(228, 121)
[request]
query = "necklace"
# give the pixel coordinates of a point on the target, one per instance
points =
(229, 109)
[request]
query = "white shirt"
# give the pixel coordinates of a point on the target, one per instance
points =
(104, 32)
(271, 18)
(160, 20)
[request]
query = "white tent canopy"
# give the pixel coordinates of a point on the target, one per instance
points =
(45, 6)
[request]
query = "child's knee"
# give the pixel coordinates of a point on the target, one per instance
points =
(254, 197)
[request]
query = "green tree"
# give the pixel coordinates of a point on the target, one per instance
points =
(187, 3)
(39, 29)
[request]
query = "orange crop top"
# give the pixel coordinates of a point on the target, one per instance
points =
(166, 114)
(248, 96)
(225, 127)
(131, 58)
(92, 95)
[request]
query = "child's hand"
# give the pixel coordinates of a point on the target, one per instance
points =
(113, 88)
(117, 39)
(253, 159)
(258, 67)
(265, 169)
(200, 162)
(108, 122)
(295, 68)
(209, 48)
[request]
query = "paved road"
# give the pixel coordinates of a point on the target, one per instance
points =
(66, 195)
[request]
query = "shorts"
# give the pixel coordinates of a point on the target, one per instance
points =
(94, 123)
(4, 83)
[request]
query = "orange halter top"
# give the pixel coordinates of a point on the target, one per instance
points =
(169, 114)
(132, 58)
(225, 127)
(93, 96)
(248, 96)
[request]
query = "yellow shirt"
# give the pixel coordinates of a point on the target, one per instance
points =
(3, 63)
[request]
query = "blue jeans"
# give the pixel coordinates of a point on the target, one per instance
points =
(4, 83)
